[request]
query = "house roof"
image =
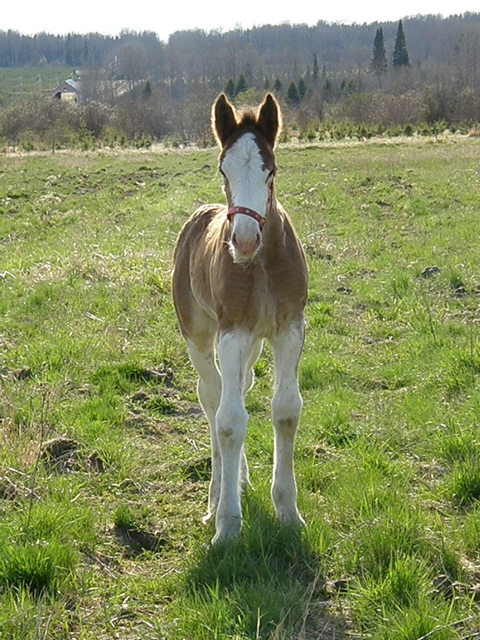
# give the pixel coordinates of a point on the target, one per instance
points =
(68, 86)
(73, 84)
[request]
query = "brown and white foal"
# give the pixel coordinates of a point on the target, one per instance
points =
(240, 276)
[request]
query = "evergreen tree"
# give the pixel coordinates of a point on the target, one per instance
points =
(241, 85)
(379, 60)
(400, 53)
(315, 70)
(147, 90)
(327, 89)
(302, 88)
(68, 52)
(277, 85)
(230, 89)
(292, 93)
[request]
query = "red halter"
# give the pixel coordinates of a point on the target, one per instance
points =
(250, 212)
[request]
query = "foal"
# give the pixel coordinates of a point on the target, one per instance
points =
(240, 276)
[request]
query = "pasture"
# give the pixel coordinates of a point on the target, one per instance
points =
(29, 82)
(104, 452)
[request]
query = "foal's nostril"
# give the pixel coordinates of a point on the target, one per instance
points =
(246, 247)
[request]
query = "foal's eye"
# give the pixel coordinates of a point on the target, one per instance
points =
(272, 173)
(223, 174)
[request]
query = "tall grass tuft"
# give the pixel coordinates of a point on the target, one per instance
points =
(39, 567)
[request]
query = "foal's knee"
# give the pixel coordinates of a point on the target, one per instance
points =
(286, 409)
(287, 427)
(231, 424)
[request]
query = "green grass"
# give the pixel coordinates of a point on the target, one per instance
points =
(101, 432)
(30, 82)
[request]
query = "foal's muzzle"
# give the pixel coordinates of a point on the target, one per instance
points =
(246, 249)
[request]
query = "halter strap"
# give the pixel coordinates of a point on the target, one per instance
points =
(250, 212)
(247, 212)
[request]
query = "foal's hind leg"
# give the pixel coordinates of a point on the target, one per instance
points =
(248, 384)
(286, 408)
(249, 375)
(209, 386)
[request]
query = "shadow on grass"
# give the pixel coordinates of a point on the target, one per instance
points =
(267, 584)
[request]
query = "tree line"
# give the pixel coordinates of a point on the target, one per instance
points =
(424, 69)
(261, 51)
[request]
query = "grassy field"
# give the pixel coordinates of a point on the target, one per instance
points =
(104, 453)
(30, 82)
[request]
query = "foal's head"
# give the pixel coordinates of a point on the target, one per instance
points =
(247, 164)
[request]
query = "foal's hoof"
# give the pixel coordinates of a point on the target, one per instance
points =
(220, 538)
(301, 522)
(206, 519)
(227, 530)
(290, 519)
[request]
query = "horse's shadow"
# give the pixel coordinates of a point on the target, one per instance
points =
(270, 580)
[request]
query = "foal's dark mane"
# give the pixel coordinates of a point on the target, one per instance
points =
(248, 118)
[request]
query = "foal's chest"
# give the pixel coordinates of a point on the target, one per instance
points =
(249, 296)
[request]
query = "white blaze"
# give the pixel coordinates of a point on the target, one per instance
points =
(247, 180)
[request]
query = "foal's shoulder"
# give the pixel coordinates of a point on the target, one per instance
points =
(207, 212)
(201, 219)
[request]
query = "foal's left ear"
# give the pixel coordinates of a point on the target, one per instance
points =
(224, 121)
(269, 119)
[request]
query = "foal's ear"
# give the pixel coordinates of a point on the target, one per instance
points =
(224, 121)
(269, 119)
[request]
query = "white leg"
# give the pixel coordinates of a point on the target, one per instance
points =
(286, 408)
(249, 377)
(234, 351)
(249, 380)
(209, 390)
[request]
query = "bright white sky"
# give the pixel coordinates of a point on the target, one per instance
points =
(107, 17)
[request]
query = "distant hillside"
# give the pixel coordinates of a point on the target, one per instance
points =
(283, 50)
(323, 76)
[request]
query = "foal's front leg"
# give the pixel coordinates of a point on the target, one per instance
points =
(234, 350)
(286, 409)
(209, 387)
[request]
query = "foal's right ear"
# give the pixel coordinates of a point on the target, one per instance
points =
(224, 121)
